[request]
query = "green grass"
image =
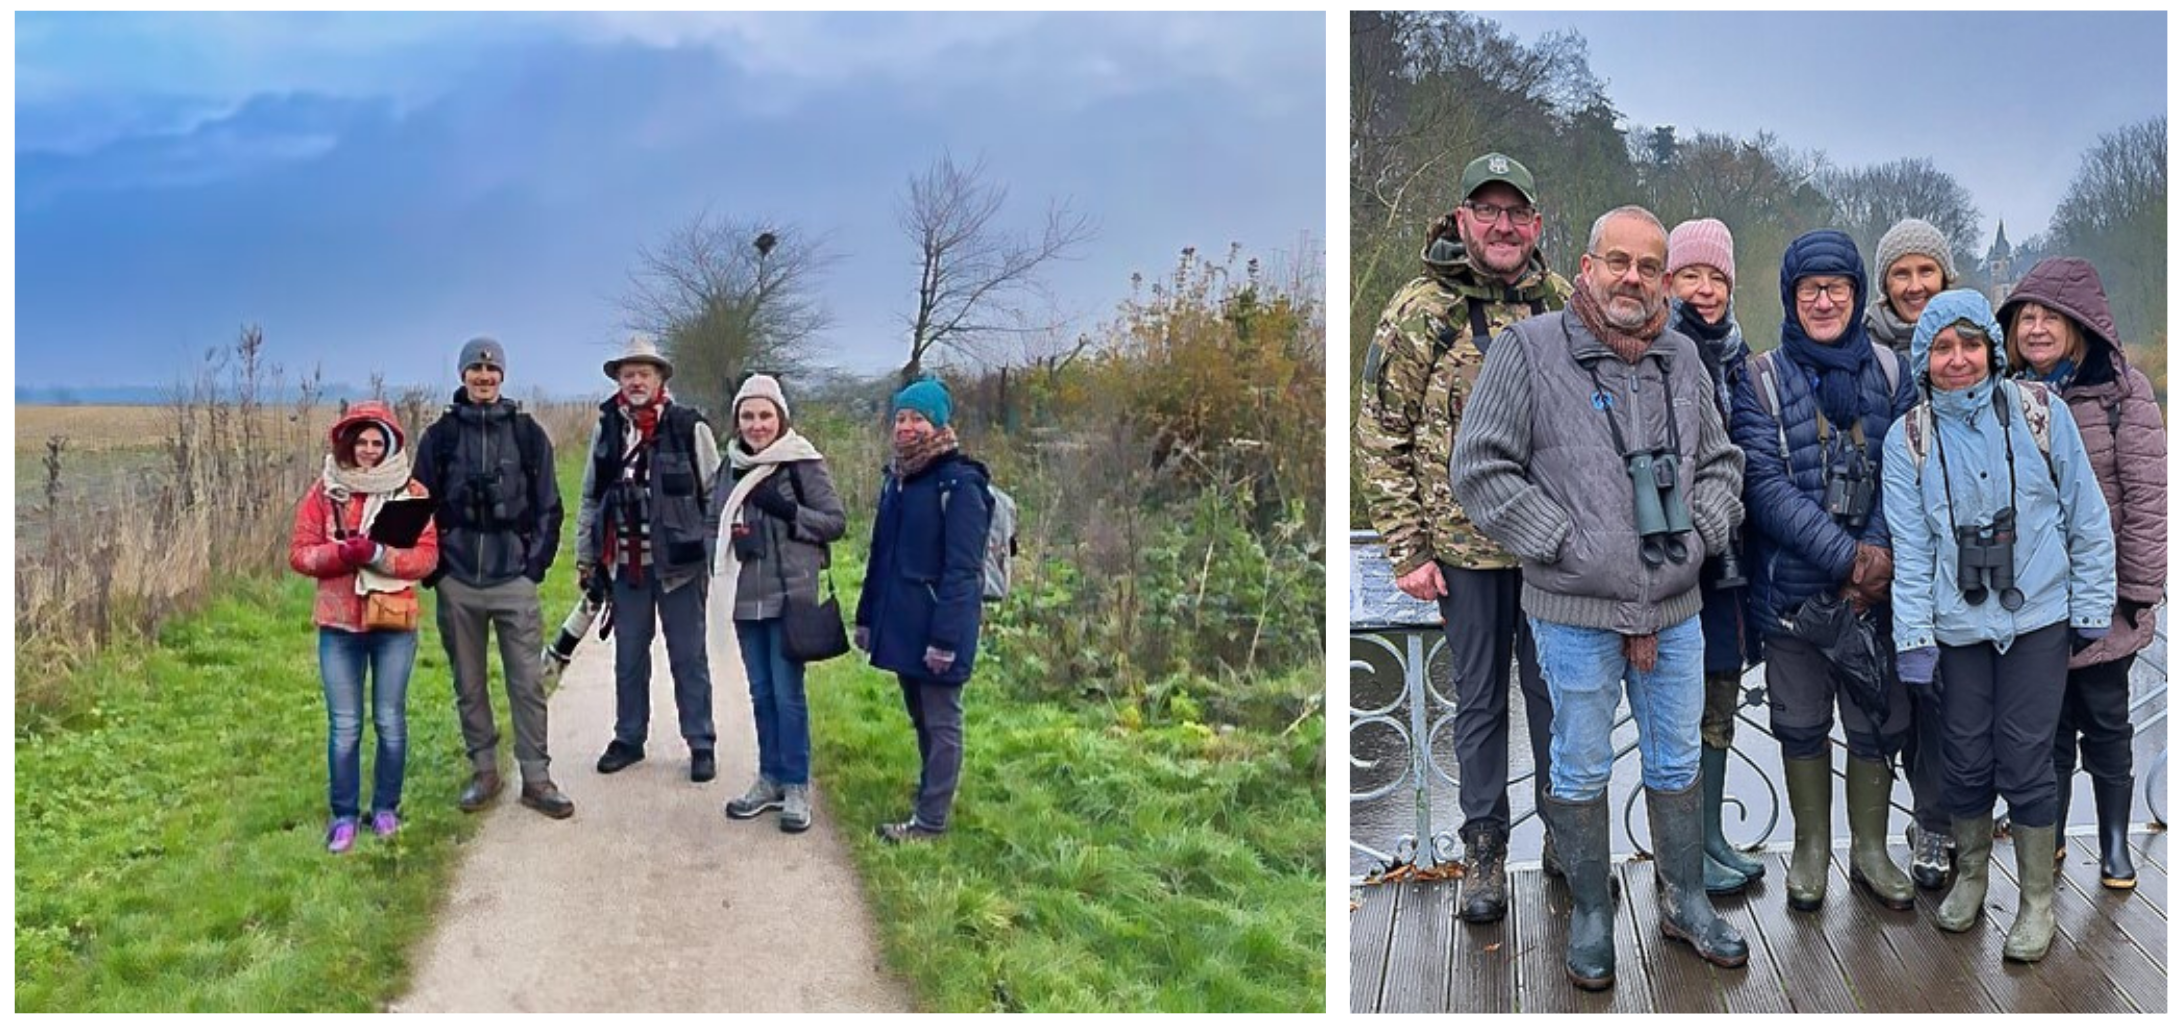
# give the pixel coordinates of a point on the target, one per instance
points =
(1088, 866)
(169, 830)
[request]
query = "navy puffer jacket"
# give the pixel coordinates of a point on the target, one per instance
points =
(1795, 550)
(924, 585)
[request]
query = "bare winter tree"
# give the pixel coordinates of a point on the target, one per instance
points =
(976, 280)
(726, 297)
(1869, 200)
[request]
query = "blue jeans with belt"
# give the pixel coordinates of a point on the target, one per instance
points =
(1585, 668)
(343, 658)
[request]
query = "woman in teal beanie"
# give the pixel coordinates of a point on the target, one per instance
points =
(922, 598)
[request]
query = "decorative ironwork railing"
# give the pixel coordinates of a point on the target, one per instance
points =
(1394, 749)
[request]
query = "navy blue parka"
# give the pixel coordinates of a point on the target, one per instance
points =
(924, 585)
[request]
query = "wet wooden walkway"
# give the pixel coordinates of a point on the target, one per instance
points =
(1410, 954)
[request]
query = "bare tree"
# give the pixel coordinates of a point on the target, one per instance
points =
(1870, 200)
(975, 279)
(2115, 214)
(726, 297)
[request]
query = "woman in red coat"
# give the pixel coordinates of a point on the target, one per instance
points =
(366, 609)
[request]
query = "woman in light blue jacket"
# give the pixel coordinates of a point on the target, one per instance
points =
(2004, 563)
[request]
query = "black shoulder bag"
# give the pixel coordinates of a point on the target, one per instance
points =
(815, 632)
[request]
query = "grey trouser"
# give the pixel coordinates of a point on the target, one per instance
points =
(940, 723)
(1484, 630)
(637, 612)
(465, 615)
(1803, 694)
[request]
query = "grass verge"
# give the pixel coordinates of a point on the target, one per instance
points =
(1089, 865)
(169, 833)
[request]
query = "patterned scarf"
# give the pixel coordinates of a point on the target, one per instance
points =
(1630, 346)
(915, 456)
(376, 484)
(627, 545)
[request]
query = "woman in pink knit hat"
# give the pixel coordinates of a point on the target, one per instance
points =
(1699, 266)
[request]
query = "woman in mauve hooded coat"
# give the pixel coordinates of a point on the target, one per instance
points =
(2058, 330)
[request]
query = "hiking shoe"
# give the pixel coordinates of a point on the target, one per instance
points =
(546, 798)
(619, 756)
(910, 831)
(794, 816)
(702, 766)
(341, 837)
(479, 793)
(384, 824)
(1932, 856)
(764, 795)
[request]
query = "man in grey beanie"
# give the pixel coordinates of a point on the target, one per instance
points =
(490, 466)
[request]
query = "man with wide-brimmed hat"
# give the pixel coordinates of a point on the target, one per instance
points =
(645, 521)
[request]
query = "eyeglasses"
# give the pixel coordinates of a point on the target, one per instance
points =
(1840, 292)
(1487, 213)
(1619, 263)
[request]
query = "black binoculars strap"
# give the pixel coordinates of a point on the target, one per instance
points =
(1671, 416)
(2011, 472)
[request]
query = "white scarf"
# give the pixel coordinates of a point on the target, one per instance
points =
(791, 447)
(377, 485)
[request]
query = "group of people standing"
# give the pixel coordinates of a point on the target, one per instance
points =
(666, 515)
(1938, 524)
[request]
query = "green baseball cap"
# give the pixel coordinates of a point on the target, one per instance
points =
(1497, 167)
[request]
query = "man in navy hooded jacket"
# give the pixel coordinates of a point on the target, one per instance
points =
(1811, 416)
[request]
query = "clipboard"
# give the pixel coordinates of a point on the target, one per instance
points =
(400, 523)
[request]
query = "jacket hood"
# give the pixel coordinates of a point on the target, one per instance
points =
(2070, 286)
(368, 412)
(1824, 252)
(1949, 308)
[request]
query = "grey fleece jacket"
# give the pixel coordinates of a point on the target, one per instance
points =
(1536, 467)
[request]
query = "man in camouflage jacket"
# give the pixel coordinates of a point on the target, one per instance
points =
(1481, 274)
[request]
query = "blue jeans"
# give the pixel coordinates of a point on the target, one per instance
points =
(342, 658)
(1584, 668)
(781, 703)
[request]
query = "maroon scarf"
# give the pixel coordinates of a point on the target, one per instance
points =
(1630, 346)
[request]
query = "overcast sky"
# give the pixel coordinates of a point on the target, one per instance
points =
(2005, 103)
(374, 189)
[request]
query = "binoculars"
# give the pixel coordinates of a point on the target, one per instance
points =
(1660, 515)
(486, 497)
(632, 500)
(1849, 489)
(1985, 561)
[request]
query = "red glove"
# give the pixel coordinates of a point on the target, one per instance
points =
(355, 550)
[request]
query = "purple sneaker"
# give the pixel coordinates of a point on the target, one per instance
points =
(341, 837)
(385, 824)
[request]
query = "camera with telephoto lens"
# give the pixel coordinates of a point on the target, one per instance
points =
(1849, 488)
(1985, 561)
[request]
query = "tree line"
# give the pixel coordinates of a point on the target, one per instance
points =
(1431, 90)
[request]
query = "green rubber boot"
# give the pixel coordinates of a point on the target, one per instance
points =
(2036, 849)
(1583, 829)
(1868, 812)
(1714, 844)
(1963, 904)
(1807, 790)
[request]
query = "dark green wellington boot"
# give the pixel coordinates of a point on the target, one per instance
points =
(1583, 829)
(1963, 904)
(1868, 812)
(1675, 829)
(2113, 819)
(2036, 849)
(1807, 790)
(1714, 844)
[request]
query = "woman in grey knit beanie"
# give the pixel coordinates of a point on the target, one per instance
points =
(1913, 263)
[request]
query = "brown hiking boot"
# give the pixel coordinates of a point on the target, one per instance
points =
(483, 786)
(546, 798)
